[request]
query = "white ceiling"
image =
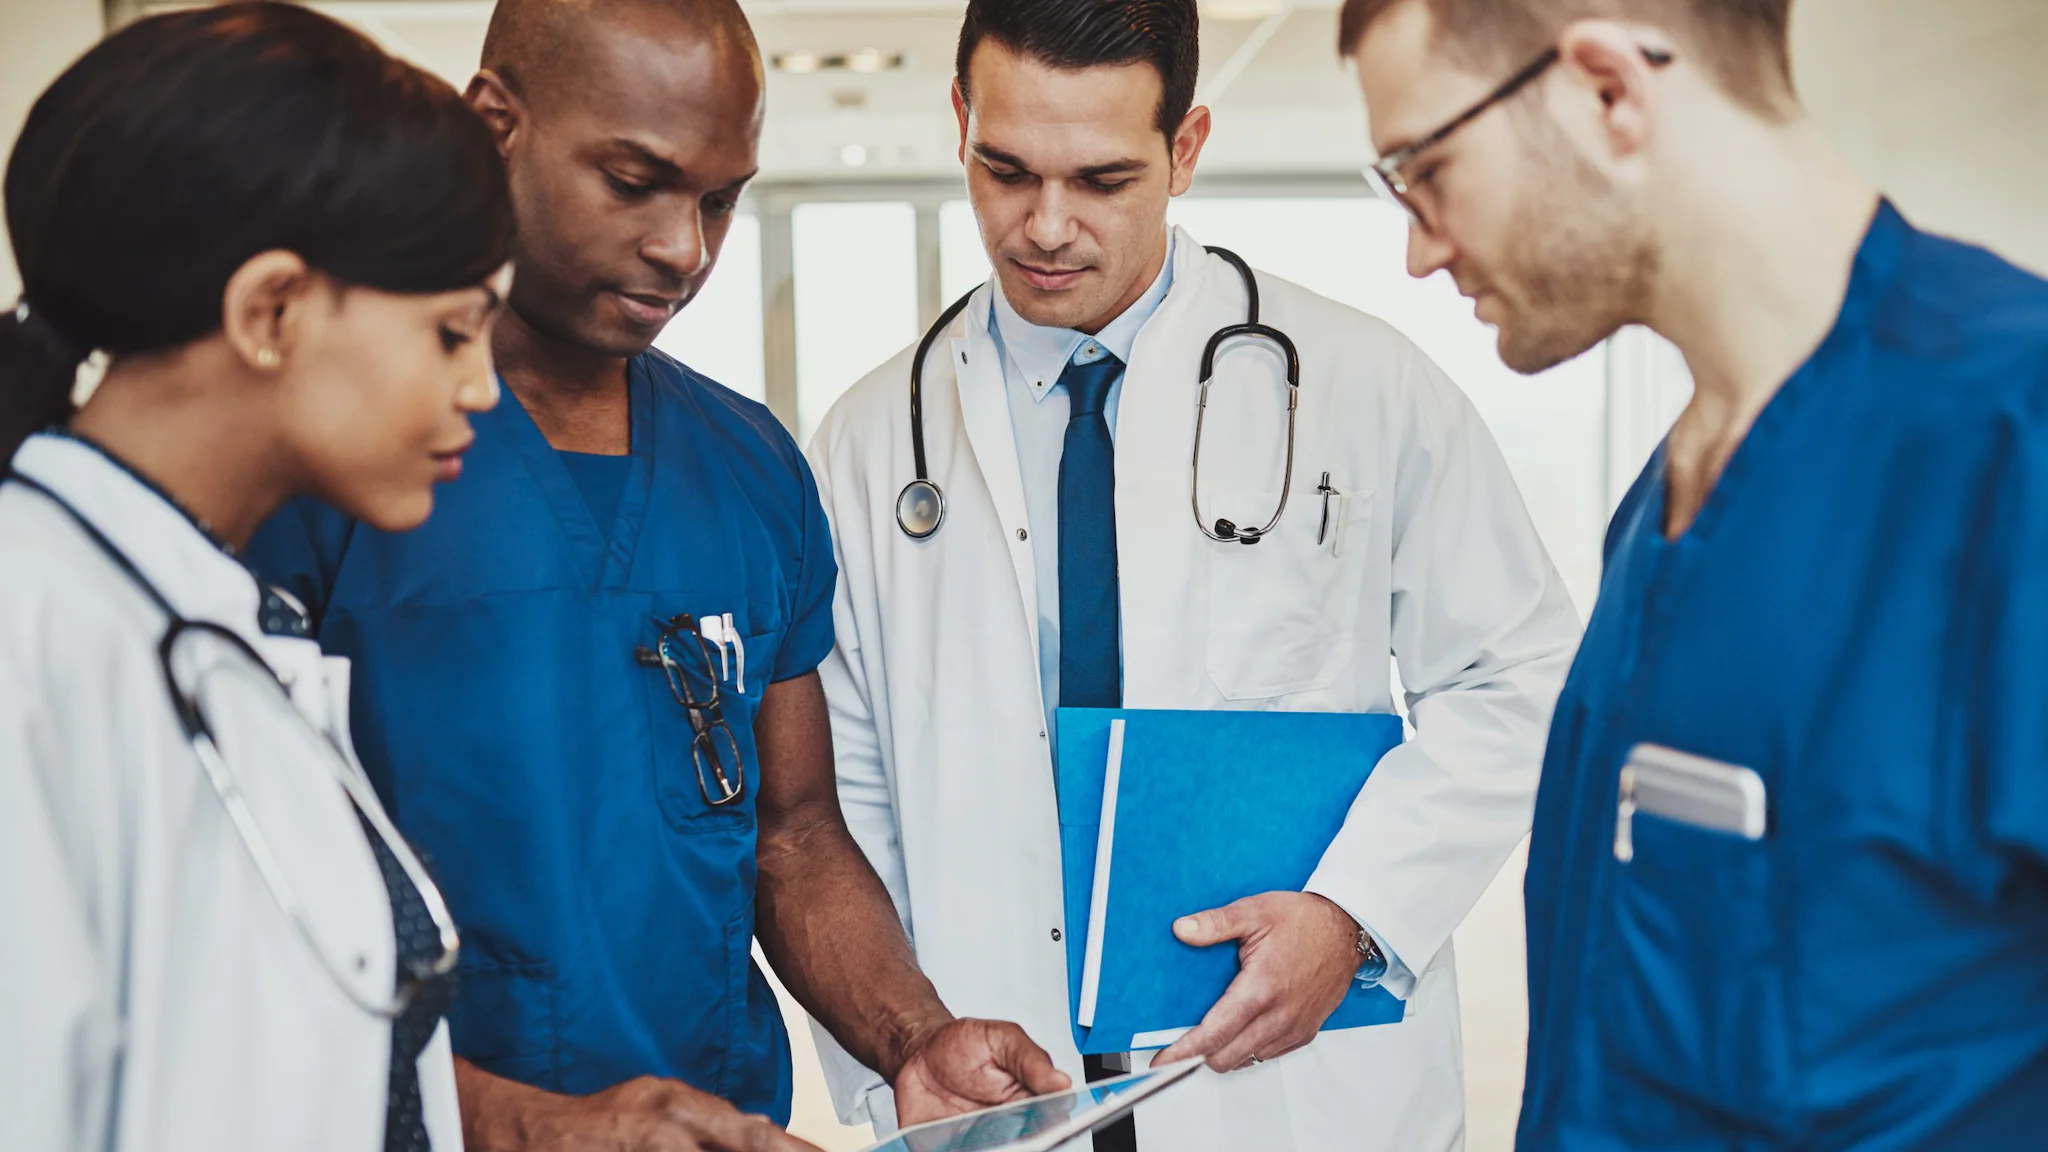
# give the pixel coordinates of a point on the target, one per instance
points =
(1286, 104)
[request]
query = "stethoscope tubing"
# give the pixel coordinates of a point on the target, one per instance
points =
(228, 791)
(921, 505)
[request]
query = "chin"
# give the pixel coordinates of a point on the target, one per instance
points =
(1050, 309)
(1532, 352)
(398, 513)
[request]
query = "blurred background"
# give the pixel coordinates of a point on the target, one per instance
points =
(858, 232)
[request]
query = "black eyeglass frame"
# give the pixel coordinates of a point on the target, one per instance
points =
(707, 718)
(1385, 172)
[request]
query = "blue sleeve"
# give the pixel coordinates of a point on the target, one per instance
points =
(809, 639)
(300, 550)
(2009, 733)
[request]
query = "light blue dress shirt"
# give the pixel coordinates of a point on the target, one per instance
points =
(1033, 359)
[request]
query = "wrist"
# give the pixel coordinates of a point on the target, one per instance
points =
(908, 1036)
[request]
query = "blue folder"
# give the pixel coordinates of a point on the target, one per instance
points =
(1211, 807)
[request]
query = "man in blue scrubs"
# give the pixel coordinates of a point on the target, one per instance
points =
(1813, 912)
(586, 689)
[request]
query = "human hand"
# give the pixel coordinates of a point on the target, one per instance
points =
(962, 1065)
(644, 1115)
(1297, 955)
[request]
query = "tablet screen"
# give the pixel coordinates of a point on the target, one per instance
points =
(1009, 1124)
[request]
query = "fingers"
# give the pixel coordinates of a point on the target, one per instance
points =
(1027, 1063)
(1203, 929)
(1242, 1004)
(731, 1132)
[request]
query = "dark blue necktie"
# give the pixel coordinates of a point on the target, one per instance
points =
(1091, 661)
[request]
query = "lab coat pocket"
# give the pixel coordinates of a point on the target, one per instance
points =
(1283, 612)
(1695, 994)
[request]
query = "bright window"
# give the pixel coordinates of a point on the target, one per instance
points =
(719, 333)
(856, 297)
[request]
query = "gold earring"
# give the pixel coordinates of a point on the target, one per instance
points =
(267, 358)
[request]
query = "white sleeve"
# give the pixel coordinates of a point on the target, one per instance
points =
(56, 1061)
(1484, 633)
(859, 1093)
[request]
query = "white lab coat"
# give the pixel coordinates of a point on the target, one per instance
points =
(153, 996)
(944, 769)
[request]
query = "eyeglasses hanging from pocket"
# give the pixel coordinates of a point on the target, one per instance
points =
(682, 653)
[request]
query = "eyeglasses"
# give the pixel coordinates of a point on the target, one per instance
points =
(1384, 174)
(681, 649)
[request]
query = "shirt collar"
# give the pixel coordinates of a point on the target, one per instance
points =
(1042, 354)
(165, 545)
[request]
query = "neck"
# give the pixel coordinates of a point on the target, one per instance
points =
(1132, 294)
(210, 449)
(1756, 260)
(576, 395)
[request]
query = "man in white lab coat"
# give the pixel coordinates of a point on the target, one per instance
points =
(1058, 414)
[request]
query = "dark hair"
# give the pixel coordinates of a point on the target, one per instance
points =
(1744, 44)
(187, 143)
(1075, 34)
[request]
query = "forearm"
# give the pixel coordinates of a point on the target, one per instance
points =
(494, 1110)
(827, 925)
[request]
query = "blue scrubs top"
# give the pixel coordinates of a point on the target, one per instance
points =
(607, 910)
(1860, 615)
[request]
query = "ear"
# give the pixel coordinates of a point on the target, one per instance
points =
(960, 110)
(261, 308)
(1187, 148)
(1606, 60)
(500, 108)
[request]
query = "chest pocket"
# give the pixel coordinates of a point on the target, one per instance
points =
(1283, 613)
(686, 780)
(1689, 991)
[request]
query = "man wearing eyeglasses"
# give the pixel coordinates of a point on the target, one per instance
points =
(1789, 883)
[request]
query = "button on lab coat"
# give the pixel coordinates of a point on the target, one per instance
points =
(945, 771)
(153, 996)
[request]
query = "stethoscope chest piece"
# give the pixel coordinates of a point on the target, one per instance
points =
(920, 509)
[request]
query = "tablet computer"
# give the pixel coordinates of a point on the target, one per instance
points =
(1041, 1123)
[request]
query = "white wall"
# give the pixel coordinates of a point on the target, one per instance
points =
(38, 39)
(1943, 104)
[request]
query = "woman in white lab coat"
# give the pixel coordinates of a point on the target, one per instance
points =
(286, 249)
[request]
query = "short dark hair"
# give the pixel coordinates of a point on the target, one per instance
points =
(1744, 44)
(1076, 34)
(187, 143)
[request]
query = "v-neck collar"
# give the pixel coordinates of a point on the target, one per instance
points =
(603, 557)
(1872, 276)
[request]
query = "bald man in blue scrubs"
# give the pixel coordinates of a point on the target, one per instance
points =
(1789, 881)
(586, 688)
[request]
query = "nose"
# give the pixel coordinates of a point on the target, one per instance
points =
(479, 392)
(1428, 252)
(680, 248)
(1051, 225)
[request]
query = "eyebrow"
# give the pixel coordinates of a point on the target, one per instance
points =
(1111, 168)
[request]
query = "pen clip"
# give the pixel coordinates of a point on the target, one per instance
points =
(1325, 491)
(732, 633)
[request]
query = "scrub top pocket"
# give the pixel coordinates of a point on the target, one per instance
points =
(1283, 613)
(677, 784)
(1693, 994)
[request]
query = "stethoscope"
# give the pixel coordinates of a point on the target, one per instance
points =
(199, 734)
(921, 506)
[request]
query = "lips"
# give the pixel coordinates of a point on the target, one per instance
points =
(1049, 279)
(647, 309)
(448, 464)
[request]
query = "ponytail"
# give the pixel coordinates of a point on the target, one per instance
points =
(37, 368)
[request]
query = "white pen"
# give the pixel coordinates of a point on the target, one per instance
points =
(732, 633)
